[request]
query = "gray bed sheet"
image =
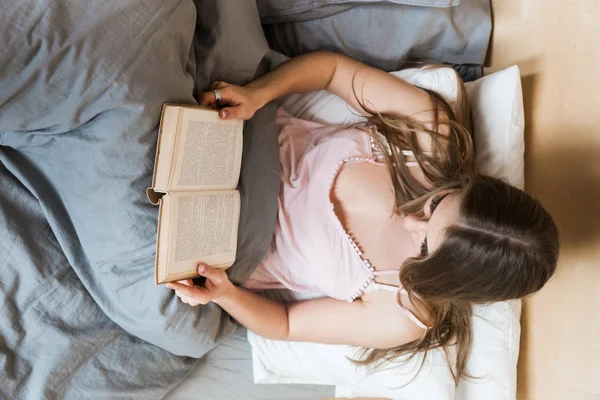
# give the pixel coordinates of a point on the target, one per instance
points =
(272, 11)
(226, 374)
(387, 35)
(81, 89)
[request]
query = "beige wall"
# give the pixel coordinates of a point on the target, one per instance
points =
(557, 45)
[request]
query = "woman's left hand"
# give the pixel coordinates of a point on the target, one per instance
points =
(237, 102)
(217, 286)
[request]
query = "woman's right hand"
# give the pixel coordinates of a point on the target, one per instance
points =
(217, 287)
(237, 102)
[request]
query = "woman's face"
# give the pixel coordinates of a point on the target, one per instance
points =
(427, 231)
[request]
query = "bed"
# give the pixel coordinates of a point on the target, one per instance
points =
(81, 87)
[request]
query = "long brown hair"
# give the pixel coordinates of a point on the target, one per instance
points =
(505, 245)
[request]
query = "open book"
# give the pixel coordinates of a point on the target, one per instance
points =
(196, 172)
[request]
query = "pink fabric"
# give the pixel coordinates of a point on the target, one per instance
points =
(310, 251)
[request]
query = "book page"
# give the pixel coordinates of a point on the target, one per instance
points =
(165, 147)
(162, 239)
(204, 227)
(208, 155)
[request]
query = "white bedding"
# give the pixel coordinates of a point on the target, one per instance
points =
(226, 374)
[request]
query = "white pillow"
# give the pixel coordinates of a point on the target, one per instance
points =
(499, 123)
(497, 106)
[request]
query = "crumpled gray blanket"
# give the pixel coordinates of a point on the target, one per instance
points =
(384, 34)
(81, 89)
(287, 10)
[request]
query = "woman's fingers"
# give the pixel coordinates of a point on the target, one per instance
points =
(218, 85)
(237, 112)
(207, 99)
(216, 276)
(217, 285)
(198, 294)
(236, 101)
(187, 300)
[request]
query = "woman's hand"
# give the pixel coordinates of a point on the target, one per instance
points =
(237, 102)
(217, 286)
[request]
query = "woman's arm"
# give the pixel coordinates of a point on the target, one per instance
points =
(353, 81)
(378, 323)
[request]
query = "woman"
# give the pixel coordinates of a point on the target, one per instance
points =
(388, 220)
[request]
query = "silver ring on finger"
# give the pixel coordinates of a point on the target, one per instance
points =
(218, 96)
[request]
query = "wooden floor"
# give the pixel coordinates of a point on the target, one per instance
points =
(557, 45)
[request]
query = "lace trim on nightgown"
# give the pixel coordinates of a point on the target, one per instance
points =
(359, 253)
(369, 283)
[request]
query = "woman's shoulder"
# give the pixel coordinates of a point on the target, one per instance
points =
(398, 305)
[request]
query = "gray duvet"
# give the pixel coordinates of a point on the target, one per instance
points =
(81, 89)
